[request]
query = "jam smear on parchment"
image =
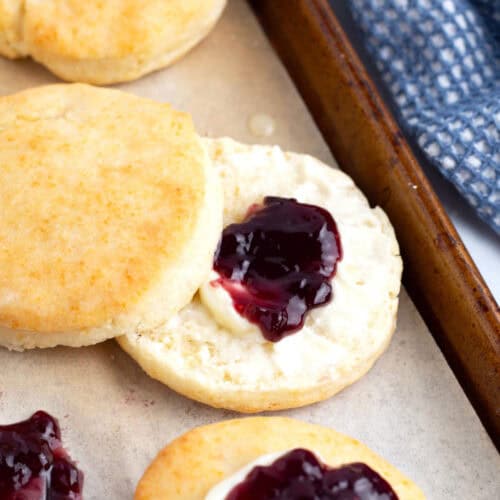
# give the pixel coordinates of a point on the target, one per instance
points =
(33, 463)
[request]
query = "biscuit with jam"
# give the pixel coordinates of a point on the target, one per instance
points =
(233, 460)
(303, 296)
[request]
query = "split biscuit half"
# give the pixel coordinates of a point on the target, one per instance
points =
(104, 42)
(110, 215)
(200, 352)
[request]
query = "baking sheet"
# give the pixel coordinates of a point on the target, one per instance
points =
(114, 419)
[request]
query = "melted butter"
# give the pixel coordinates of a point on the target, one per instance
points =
(262, 125)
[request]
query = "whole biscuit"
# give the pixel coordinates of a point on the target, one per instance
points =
(103, 42)
(198, 357)
(191, 465)
(110, 215)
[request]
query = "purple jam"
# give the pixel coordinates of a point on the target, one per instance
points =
(33, 463)
(299, 475)
(278, 264)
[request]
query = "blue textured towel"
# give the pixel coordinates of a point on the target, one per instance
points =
(440, 60)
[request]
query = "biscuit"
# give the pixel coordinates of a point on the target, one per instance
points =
(10, 28)
(197, 355)
(110, 215)
(194, 463)
(104, 42)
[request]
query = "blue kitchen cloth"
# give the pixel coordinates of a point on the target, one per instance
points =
(440, 60)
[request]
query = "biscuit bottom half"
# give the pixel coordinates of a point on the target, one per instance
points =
(197, 355)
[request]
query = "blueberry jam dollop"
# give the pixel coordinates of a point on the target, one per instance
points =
(278, 264)
(299, 475)
(33, 463)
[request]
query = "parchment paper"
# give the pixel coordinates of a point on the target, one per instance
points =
(114, 418)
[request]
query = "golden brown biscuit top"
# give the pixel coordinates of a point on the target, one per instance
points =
(100, 191)
(109, 28)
